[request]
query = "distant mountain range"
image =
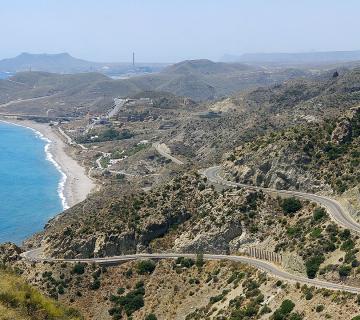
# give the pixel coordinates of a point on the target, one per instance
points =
(65, 63)
(35, 92)
(295, 58)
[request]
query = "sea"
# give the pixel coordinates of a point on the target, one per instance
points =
(31, 183)
(5, 75)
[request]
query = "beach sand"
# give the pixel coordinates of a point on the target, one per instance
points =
(78, 185)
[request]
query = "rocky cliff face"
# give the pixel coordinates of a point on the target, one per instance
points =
(317, 157)
(111, 243)
(184, 215)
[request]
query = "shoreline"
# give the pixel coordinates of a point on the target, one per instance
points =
(74, 185)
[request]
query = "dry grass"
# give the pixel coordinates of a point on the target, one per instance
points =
(18, 300)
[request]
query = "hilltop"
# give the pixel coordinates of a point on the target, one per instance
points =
(58, 63)
(65, 63)
(199, 80)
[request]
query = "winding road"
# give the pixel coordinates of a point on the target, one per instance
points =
(335, 210)
(34, 255)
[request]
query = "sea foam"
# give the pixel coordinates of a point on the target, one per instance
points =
(50, 158)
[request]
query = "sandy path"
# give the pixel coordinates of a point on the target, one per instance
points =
(78, 185)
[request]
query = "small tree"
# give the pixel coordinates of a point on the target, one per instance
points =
(146, 266)
(79, 268)
(291, 205)
(313, 264)
(344, 270)
(287, 306)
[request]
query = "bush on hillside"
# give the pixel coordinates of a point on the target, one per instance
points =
(291, 205)
(312, 265)
(146, 266)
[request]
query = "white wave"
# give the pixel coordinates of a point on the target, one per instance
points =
(50, 158)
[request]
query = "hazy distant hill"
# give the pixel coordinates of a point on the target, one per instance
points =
(204, 67)
(65, 63)
(295, 58)
(61, 63)
(205, 80)
(37, 92)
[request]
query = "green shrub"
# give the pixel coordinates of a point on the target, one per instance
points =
(319, 214)
(185, 262)
(95, 284)
(312, 265)
(291, 205)
(347, 245)
(134, 300)
(146, 266)
(79, 268)
(120, 291)
(295, 316)
(316, 232)
(345, 235)
(61, 290)
(344, 270)
(320, 308)
(151, 316)
(287, 306)
(284, 310)
(308, 295)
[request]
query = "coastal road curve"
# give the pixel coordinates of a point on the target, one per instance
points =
(268, 267)
(335, 210)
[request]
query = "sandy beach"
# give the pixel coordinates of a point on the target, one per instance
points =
(77, 185)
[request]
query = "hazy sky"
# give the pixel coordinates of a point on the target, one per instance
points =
(173, 30)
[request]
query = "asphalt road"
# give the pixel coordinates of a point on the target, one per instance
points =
(334, 208)
(266, 266)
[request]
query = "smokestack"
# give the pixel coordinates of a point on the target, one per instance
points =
(133, 59)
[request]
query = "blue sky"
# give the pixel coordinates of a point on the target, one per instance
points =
(174, 30)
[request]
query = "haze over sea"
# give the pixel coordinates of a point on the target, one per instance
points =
(29, 183)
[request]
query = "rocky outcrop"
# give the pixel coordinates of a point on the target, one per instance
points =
(104, 244)
(344, 129)
(9, 252)
(209, 236)
(318, 157)
(282, 171)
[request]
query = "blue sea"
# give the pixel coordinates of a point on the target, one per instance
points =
(5, 75)
(30, 183)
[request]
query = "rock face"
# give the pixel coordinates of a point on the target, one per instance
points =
(301, 158)
(9, 252)
(184, 215)
(110, 244)
(275, 167)
(343, 131)
(209, 236)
